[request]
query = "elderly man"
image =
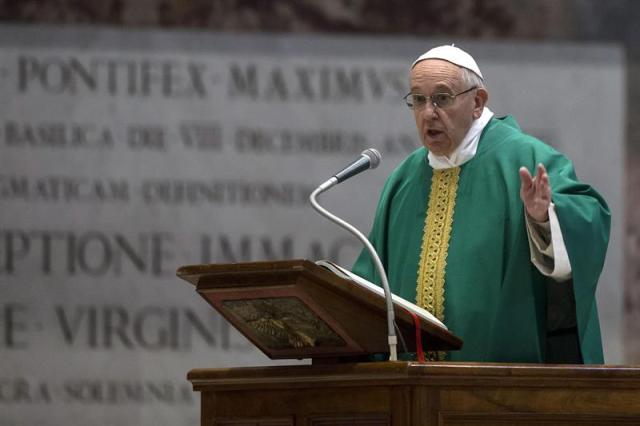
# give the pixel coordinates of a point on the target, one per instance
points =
(465, 230)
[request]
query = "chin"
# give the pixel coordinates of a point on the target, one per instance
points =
(436, 150)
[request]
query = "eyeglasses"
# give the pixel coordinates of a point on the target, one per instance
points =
(439, 100)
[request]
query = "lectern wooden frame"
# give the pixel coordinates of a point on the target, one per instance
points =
(410, 394)
(297, 309)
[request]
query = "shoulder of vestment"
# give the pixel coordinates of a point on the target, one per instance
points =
(503, 137)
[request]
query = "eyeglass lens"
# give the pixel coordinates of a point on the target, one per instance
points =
(441, 100)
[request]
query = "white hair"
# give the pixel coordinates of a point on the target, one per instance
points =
(471, 79)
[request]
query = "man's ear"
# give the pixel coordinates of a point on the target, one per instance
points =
(481, 98)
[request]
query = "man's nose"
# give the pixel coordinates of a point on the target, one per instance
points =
(429, 110)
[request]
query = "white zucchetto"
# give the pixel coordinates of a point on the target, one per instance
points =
(451, 54)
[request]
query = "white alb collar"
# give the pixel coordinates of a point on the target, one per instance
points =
(467, 148)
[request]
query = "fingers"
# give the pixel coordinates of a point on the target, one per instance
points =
(541, 179)
(535, 187)
(526, 179)
(541, 182)
(535, 192)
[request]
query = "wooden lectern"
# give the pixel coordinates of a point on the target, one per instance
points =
(297, 309)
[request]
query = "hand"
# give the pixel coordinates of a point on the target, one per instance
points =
(535, 193)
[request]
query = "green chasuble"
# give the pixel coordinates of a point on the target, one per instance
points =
(483, 284)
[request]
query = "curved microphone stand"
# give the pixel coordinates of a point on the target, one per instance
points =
(393, 340)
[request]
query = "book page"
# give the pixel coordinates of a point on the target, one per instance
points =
(397, 300)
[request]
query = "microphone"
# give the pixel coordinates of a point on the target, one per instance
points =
(369, 159)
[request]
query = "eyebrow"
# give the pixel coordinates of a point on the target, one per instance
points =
(443, 87)
(439, 88)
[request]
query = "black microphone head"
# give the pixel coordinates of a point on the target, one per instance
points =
(374, 157)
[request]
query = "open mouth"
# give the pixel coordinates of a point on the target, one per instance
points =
(434, 133)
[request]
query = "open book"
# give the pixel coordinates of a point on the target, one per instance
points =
(348, 275)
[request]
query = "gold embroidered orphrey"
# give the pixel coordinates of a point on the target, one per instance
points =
(435, 241)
